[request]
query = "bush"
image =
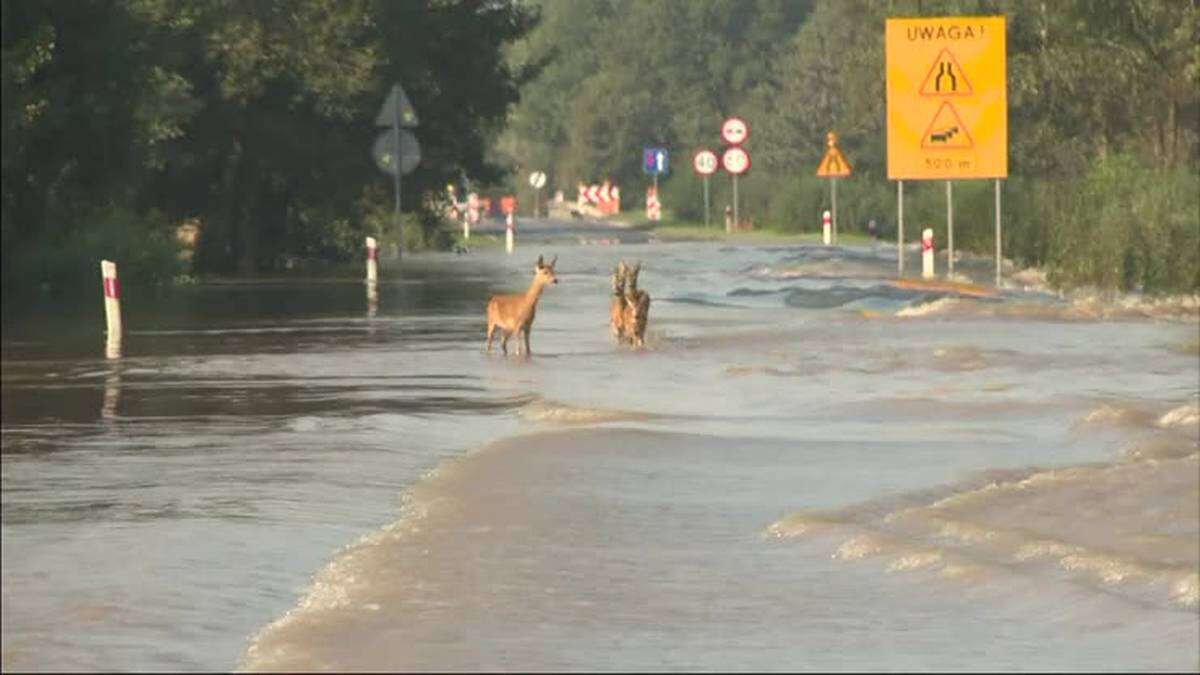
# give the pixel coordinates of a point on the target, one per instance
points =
(143, 246)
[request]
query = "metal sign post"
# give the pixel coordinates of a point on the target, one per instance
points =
(735, 131)
(736, 161)
(833, 199)
(704, 162)
(998, 258)
(949, 229)
(833, 166)
(396, 175)
(401, 155)
(900, 228)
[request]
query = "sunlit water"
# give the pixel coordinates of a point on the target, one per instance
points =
(807, 468)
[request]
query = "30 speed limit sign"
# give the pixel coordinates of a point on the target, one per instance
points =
(736, 160)
(705, 162)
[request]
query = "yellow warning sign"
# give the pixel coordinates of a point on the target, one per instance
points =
(946, 77)
(834, 164)
(947, 99)
(946, 131)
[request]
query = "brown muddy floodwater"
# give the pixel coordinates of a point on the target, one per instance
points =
(806, 469)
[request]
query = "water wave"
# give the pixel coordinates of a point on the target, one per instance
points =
(1128, 525)
(542, 410)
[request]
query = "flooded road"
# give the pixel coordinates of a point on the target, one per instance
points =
(808, 467)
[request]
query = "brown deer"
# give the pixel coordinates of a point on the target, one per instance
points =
(630, 307)
(513, 313)
(637, 307)
(618, 307)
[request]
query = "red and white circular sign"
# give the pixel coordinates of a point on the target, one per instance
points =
(705, 162)
(734, 130)
(736, 160)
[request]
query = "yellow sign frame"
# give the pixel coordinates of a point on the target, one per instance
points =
(947, 98)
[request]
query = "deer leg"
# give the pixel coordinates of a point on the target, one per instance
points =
(504, 342)
(528, 352)
(491, 332)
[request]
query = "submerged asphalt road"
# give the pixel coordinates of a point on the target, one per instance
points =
(582, 230)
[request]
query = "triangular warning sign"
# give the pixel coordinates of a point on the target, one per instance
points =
(946, 131)
(396, 107)
(946, 77)
(834, 165)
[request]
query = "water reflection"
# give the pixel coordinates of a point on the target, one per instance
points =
(112, 389)
(372, 299)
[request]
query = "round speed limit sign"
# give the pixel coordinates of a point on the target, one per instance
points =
(734, 130)
(736, 160)
(705, 162)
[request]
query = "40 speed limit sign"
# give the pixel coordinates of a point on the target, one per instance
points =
(705, 162)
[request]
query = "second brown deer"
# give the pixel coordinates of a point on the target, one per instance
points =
(630, 307)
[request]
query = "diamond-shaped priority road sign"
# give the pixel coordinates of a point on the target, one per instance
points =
(397, 107)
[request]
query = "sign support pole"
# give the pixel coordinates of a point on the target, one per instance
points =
(949, 229)
(396, 141)
(900, 228)
(706, 200)
(736, 220)
(998, 259)
(833, 198)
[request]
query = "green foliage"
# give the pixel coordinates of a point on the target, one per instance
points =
(1104, 121)
(143, 246)
(254, 118)
(1122, 226)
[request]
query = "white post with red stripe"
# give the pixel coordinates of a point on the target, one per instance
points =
(826, 227)
(508, 233)
(112, 308)
(653, 206)
(372, 260)
(927, 253)
(472, 214)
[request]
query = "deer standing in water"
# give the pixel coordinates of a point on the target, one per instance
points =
(513, 313)
(630, 307)
(617, 310)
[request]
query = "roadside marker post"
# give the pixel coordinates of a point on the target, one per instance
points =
(927, 253)
(372, 260)
(112, 309)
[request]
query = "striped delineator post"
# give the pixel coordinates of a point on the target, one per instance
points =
(372, 260)
(508, 233)
(927, 253)
(112, 308)
(826, 228)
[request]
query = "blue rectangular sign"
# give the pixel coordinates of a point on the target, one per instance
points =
(655, 161)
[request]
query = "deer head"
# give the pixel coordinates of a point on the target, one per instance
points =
(544, 273)
(618, 279)
(631, 276)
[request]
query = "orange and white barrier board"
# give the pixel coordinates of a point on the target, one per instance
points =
(605, 196)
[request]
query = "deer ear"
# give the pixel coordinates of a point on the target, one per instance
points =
(539, 262)
(553, 260)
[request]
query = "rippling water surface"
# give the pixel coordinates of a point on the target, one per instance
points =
(809, 467)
